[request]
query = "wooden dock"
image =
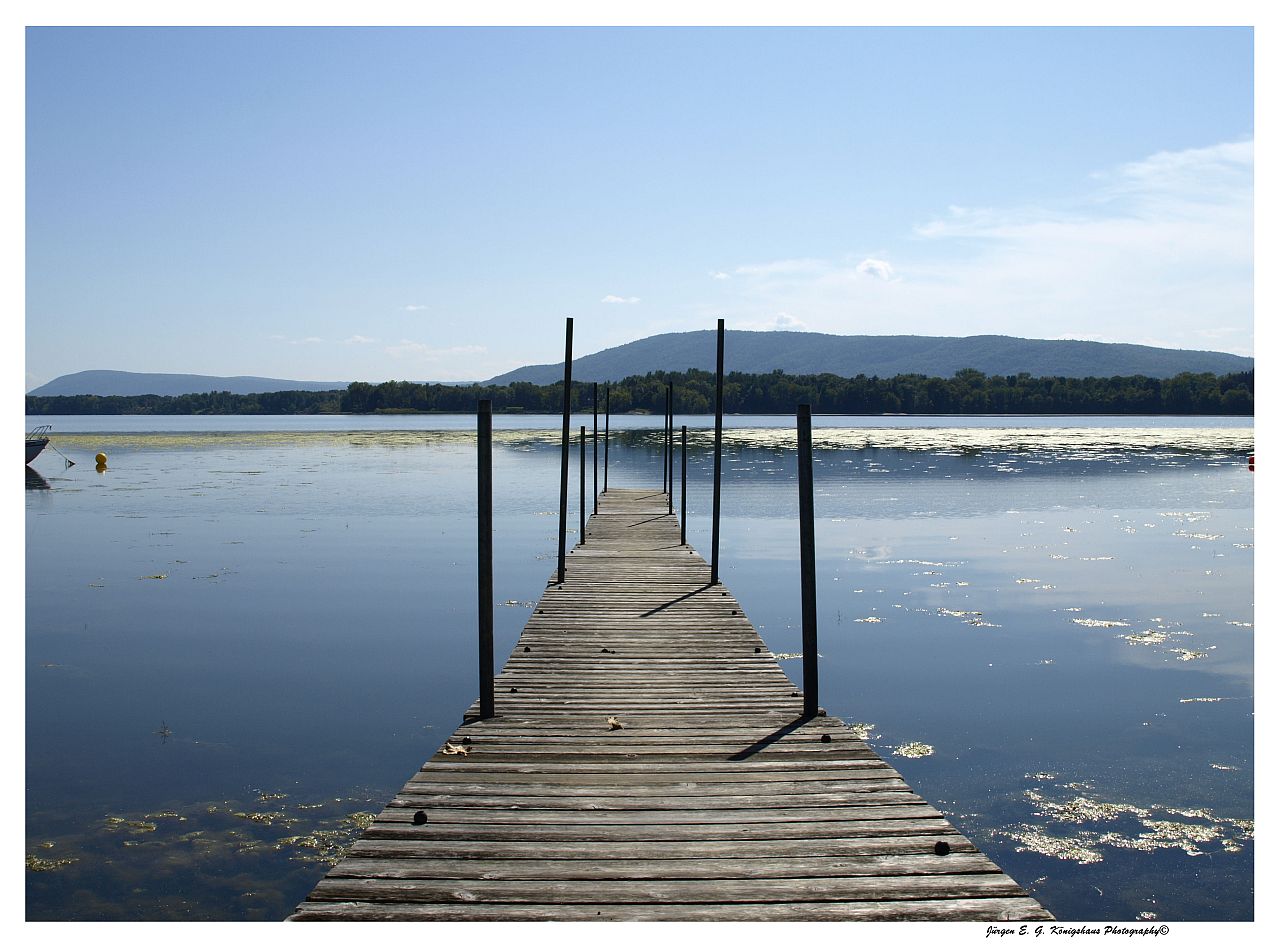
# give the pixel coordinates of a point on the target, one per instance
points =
(649, 761)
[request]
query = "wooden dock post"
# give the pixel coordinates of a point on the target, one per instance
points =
(484, 551)
(808, 581)
(606, 438)
(671, 446)
(564, 444)
(684, 480)
(582, 484)
(715, 476)
(595, 447)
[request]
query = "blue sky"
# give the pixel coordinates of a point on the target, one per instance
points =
(430, 203)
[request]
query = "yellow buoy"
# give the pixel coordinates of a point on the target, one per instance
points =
(101, 459)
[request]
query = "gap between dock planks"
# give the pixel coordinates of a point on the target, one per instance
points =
(713, 799)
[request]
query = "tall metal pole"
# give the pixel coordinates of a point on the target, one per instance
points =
(564, 443)
(671, 446)
(595, 447)
(582, 484)
(808, 581)
(684, 478)
(715, 477)
(606, 438)
(484, 551)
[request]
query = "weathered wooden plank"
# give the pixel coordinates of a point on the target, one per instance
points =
(972, 909)
(533, 869)
(641, 891)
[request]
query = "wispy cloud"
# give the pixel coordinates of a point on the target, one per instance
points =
(413, 307)
(358, 340)
(621, 299)
(420, 351)
(783, 321)
(1157, 251)
(718, 274)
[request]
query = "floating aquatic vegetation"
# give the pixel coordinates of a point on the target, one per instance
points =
(1031, 839)
(264, 796)
(953, 613)
(1149, 637)
(1152, 828)
(861, 731)
(161, 575)
(1026, 581)
(267, 818)
(1224, 767)
(869, 618)
(115, 823)
(35, 863)
(1241, 624)
(979, 623)
(1200, 700)
(1100, 623)
(1041, 777)
(1186, 654)
(1081, 809)
(1096, 558)
(913, 751)
(1202, 536)
(513, 603)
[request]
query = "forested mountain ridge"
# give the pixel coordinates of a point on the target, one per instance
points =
(966, 392)
(883, 356)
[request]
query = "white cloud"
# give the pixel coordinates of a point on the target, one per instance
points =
(878, 268)
(358, 340)
(420, 351)
(414, 308)
(621, 299)
(718, 274)
(1157, 252)
(782, 322)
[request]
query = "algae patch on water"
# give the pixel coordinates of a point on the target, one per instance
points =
(1080, 827)
(913, 751)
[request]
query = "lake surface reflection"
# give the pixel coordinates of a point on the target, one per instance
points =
(242, 639)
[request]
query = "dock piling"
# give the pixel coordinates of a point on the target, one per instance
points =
(564, 444)
(715, 476)
(595, 447)
(808, 581)
(484, 551)
(684, 480)
(582, 484)
(671, 446)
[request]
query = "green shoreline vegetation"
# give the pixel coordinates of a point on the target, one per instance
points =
(967, 392)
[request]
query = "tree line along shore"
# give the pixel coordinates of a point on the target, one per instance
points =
(967, 392)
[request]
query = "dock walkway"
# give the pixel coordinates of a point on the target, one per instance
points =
(649, 761)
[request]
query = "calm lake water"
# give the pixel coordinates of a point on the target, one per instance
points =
(245, 634)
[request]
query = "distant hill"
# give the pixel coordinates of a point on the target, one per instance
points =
(160, 383)
(804, 353)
